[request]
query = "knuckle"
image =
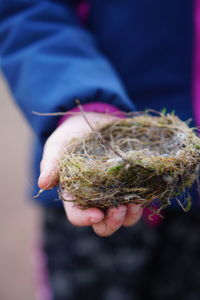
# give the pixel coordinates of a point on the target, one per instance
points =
(114, 227)
(99, 233)
(78, 220)
(42, 165)
(128, 223)
(132, 220)
(103, 234)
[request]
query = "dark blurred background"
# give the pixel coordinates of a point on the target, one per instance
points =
(19, 218)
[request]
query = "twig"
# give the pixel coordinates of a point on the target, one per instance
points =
(96, 132)
(54, 114)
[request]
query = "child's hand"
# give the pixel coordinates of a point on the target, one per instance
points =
(103, 224)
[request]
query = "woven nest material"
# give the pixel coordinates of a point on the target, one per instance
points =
(146, 159)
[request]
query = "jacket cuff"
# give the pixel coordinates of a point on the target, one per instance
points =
(98, 107)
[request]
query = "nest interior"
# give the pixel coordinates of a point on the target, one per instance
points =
(146, 159)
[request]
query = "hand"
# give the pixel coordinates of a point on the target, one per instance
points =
(103, 224)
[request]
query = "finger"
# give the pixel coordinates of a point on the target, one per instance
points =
(112, 222)
(82, 217)
(133, 215)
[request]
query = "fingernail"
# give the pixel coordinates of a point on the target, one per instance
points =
(119, 214)
(95, 219)
(45, 174)
(100, 228)
(135, 208)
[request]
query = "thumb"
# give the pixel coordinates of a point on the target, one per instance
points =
(48, 179)
(49, 164)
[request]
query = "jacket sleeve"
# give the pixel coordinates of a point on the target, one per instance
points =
(49, 60)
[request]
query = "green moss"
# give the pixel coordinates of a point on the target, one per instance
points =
(115, 169)
(197, 147)
(164, 111)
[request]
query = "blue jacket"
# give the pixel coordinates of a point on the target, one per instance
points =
(132, 54)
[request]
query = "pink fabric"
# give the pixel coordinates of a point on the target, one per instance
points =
(196, 65)
(83, 11)
(99, 107)
(41, 278)
(151, 220)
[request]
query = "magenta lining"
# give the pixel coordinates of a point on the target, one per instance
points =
(98, 107)
(196, 63)
(83, 11)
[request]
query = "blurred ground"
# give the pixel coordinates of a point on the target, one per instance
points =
(19, 218)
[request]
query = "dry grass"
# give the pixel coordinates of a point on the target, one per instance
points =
(146, 159)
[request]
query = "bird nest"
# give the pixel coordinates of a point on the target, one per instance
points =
(145, 159)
